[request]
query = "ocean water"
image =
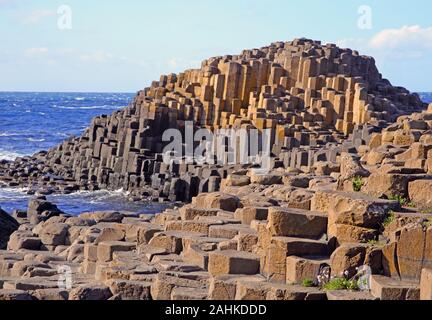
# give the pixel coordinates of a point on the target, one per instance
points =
(30, 122)
(426, 96)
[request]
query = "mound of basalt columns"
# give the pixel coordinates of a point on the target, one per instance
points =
(345, 194)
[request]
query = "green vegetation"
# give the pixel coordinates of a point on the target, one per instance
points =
(389, 219)
(426, 211)
(341, 284)
(404, 202)
(357, 184)
(308, 283)
(373, 242)
(428, 223)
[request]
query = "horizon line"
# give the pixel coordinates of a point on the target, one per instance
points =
(123, 92)
(33, 91)
(65, 91)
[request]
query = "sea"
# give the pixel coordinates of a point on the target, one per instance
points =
(35, 121)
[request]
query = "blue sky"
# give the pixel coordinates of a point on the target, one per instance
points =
(124, 45)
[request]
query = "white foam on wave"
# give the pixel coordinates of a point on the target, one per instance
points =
(101, 107)
(10, 155)
(93, 197)
(35, 140)
(80, 99)
(63, 134)
(8, 195)
(104, 107)
(8, 134)
(14, 190)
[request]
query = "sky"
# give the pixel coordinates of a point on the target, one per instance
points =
(121, 46)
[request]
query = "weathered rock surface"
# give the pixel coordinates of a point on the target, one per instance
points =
(311, 96)
(345, 190)
(7, 226)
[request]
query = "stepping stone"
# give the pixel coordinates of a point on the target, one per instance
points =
(426, 285)
(306, 268)
(286, 222)
(248, 214)
(196, 256)
(22, 240)
(301, 247)
(274, 257)
(233, 262)
(106, 249)
(228, 231)
(91, 292)
(146, 232)
(176, 266)
(21, 267)
(51, 294)
(344, 295)
(14, 295)
(149, 252)
(172, 241)
(190, 212)
(30, 284)
(225, 287)
(130, 290)
(164, 284)
(293, 292)
(189, 294)
(386, 288)
(198, 226)
(251, 290)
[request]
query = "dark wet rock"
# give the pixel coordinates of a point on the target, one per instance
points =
(8, 225)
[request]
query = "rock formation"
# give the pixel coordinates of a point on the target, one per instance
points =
(7, 226)
(343, 212)
(311, 96)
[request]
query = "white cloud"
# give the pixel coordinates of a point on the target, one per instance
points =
(98, 57)
(32, 52)
(407, 42)
(36, 16)
(405, 37)
(180, 63)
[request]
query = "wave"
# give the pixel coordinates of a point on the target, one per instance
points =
(64, 134)
(97, 194)
(12, 196)
(105, 107)
(13, 134)
(21, 191)
(35, 140)
(94, 198)
(8, 134)
(426, 97)
(80, 99)
(10, 155)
